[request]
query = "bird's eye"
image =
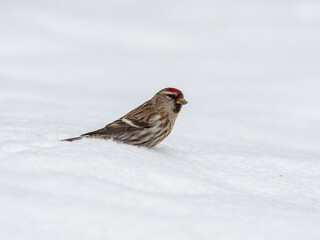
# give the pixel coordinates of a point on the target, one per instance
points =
(171, 96)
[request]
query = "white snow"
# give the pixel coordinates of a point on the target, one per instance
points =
(243, 160)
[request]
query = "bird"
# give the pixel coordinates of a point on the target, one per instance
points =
(146, 125)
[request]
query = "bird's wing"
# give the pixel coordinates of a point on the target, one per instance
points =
(136, 120)
(117, 127)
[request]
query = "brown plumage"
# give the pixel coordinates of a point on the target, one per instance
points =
(146, 125)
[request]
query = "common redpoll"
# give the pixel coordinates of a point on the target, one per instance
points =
(146, 125)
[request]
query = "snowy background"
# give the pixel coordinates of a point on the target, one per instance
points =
(243, 161)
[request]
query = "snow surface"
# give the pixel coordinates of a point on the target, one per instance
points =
(243, 161)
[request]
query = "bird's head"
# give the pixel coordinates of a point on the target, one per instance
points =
(170, 99)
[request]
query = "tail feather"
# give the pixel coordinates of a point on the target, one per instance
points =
(100, 133)
(71, 139)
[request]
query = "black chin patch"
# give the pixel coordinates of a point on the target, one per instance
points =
(177, 108)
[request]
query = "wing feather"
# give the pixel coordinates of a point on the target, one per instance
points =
(118, 127)
(136, 120)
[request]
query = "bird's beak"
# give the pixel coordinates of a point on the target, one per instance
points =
(181, 101)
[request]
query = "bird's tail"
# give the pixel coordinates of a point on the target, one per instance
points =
(71, 139)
